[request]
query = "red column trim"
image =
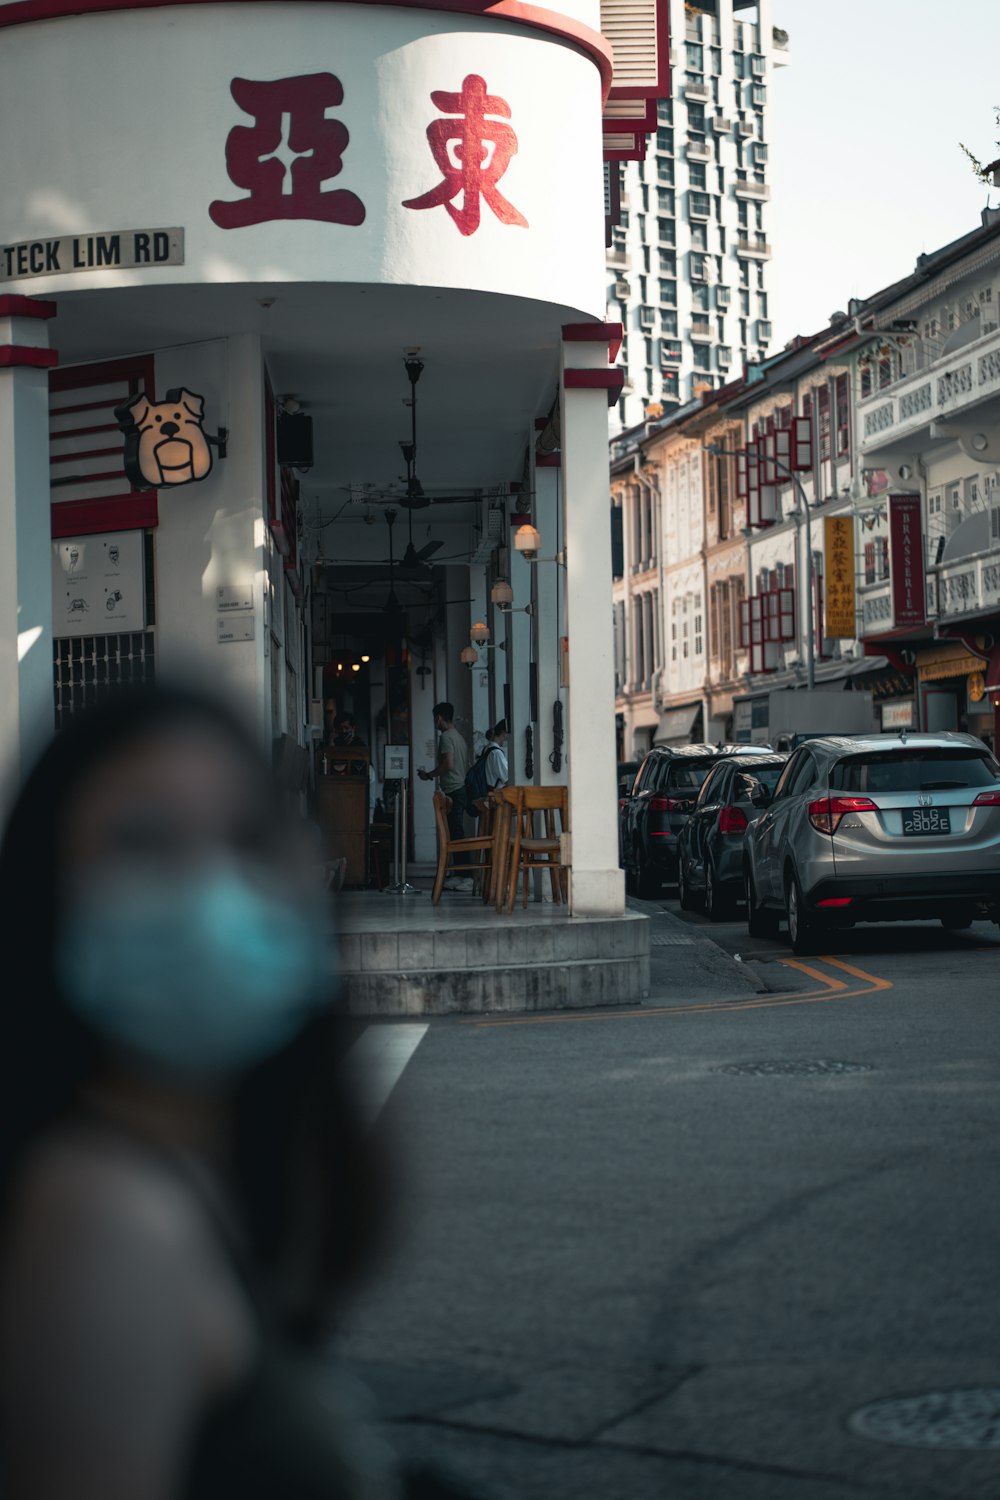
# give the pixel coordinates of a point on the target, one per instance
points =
(596, 380)
(595, 333)
(27, 354)
(16, 306)
(548, 460)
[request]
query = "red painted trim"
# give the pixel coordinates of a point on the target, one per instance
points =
(111, 513)
(536, 17)
(634, 152)
(661, 89)
(69, 432)
(646, 122)
(281, 538)
(15, 306)
(595, 333)
(593, 380)
(548, 460)
(75, 458)
(105, 372)
(27, 356)
(88, 478)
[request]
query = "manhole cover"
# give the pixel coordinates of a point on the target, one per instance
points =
(666, 940)
(937, 1419)
(809, 1067)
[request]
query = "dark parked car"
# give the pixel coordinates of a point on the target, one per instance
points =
(660, 802)
(710, 845)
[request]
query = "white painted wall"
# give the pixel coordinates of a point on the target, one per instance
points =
(213, 533)
(128, 116)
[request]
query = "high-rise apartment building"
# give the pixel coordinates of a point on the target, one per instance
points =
(688, 261)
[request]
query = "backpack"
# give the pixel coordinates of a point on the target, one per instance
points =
(477, 788)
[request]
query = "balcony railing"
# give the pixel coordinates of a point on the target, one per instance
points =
(756, 190)
(754, 249)
(939, 390)
(969, 584)
(698, 151)
(876, 610)
(698, 91)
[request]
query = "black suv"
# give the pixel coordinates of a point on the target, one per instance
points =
(653, 813)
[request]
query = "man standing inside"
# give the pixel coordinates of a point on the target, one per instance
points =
(450, 770)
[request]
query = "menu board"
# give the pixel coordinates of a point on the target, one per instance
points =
(97, 584)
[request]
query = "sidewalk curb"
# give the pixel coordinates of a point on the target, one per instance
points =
(664, 921)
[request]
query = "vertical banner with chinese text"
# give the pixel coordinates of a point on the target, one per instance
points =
(838, 576)
(906, 552)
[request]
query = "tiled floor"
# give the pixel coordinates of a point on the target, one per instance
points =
(378, 911)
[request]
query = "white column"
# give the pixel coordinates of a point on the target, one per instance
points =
(519, 667)
(480, 675)
(597, 886)
(26, 684)
(549, 625)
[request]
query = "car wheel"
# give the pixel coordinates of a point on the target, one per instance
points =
(717, 905)
(685, 895)
(804, 934)
(761, 922)
(648, 884)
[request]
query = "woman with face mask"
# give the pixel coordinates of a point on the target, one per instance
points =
(184, 1190)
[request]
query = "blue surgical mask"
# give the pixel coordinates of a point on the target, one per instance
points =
(197, 976)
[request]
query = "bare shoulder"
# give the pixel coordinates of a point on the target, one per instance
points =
(94, 1191)
(99, 1235)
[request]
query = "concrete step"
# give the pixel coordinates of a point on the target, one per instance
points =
(492, 943)
(564, 985)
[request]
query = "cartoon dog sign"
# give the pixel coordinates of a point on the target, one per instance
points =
(165, 442)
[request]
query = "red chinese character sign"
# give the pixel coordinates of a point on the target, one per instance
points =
(481, 151)
(288, 154)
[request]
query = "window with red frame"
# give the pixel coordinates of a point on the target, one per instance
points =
(842, 398)
(823, 406)
(866, 381)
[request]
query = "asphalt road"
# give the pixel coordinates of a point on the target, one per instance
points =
(669, 1253)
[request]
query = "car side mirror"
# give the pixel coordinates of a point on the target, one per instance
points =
(758, 793)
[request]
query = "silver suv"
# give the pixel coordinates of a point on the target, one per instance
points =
(871, 828)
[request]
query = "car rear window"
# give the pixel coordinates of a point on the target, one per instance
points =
(916, 770)
(689, 777)
(767, 775)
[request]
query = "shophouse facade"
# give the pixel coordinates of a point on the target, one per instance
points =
(929, 415)
(852, 480)
(233, 215)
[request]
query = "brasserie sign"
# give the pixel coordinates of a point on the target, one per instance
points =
(118, 249)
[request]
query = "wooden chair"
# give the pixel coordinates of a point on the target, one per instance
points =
(505, 804)
(449, 849)
(531, 850)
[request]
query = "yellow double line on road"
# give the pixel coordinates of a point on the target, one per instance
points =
(830, 988)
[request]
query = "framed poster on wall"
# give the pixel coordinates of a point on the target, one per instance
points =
(98, 585)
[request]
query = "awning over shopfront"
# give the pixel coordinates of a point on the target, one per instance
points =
(947, 660)
(677, 725)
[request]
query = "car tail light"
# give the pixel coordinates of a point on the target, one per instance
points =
(836, 901)
(825, 815)
(661, 803)
(987, 799)
(732, 820)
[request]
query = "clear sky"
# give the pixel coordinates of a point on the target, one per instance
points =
(866, 171)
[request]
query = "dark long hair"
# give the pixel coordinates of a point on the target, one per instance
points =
(297, 1131)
